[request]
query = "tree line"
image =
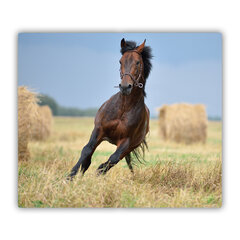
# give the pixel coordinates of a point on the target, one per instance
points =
(58, 110)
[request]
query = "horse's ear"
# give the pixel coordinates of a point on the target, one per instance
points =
(141, 47)
(123, 43)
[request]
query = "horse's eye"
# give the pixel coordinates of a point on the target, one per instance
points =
(137, 62)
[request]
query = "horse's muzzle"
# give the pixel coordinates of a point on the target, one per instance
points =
(125, 89)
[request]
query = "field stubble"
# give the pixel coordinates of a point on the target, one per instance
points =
(175, 175)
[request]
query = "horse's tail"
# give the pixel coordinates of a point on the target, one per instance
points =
(139, 153)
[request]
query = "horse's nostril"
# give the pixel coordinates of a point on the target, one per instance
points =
(129, 86)
(120, 85)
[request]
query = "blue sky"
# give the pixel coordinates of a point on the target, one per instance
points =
(81, 69)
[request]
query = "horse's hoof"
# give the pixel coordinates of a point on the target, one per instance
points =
(101, 172)
(70, 177)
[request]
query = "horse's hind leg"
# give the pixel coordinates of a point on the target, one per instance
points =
(128, 160)
(86, 155)
(115, 157)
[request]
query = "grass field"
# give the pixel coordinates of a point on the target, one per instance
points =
(175, 175)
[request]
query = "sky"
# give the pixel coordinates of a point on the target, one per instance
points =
(81, 69)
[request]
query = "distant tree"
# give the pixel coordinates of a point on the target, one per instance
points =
(46, 100)
(76, 112)
(90, 112)
(214, 118)
(58, 110)
(65, 111)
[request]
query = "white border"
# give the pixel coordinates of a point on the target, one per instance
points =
(142, 16)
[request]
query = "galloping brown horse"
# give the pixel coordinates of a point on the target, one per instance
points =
(123, 120)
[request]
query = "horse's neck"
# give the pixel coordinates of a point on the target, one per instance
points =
(134, 99)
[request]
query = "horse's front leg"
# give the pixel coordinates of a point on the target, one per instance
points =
(87, 152)
(120, 153)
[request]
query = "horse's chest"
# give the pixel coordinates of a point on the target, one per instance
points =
(116, 130)
(115, 127)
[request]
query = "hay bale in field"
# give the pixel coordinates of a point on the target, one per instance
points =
(43, 124)
(183, 123)
(27, 113)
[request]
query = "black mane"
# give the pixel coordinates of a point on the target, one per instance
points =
(146, 56)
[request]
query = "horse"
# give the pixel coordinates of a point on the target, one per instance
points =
(123, 120)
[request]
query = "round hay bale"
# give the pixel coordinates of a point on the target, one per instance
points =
(27, 113)
(43, 124)
(183, 123)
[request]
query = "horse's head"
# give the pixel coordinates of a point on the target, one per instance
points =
(131, 68)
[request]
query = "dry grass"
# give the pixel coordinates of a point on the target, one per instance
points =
(176, 175)
(183, 123)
